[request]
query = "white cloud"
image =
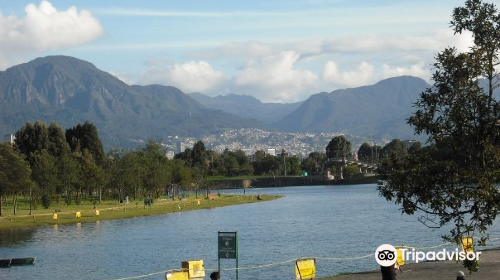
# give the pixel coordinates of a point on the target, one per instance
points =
(274, 78)
(192, 76)
(45, 28)
(363, 75)
(416, 70)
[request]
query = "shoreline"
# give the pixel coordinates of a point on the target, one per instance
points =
(489, 269)
(159, 207)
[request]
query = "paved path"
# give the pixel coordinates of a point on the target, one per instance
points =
(439, 270)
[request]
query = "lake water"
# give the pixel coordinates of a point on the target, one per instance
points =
(311, 221)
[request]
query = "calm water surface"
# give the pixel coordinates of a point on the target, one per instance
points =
(312, 221)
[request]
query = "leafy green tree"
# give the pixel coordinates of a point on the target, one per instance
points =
(314, 163)
(70, 175)
(32, 138)
(15, 174)
(455, 179)
(57, 145)
(158, 173)
(93, 177)
(44, 174)
(181, 174)
(368, 152)
(338, 147)
(395, 148)
(81, 137)
(269, 165)
(199, 155)
(293, 165)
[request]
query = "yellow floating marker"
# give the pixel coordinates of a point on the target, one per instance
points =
(78, 214)
(467, 244)
(177, 275)
(97, 212)
(54, 216)
(194, 268)
(400, 262)
(305, 269)
(198, 202)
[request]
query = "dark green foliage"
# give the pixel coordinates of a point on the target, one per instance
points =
(369, 153)
(455, 179)
(57, 141)
(15, 173)
(44, 172)
(338, 147)
(268, 165)
(314, 163)
(46, 201)
(32, 138)
(85, 137)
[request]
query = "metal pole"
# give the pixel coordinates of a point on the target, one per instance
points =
(236, 255)
(218, 258)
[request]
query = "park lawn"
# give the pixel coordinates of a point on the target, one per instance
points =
(110, 210)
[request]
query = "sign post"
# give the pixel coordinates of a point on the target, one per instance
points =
(228, 247)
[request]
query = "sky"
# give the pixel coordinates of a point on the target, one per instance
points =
(276, 51)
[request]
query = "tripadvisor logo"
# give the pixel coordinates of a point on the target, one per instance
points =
(387, 255)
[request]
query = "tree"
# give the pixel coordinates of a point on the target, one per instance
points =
(32, 138)
(70, 175)
(57, 145)
(199, 155)
(368, 152)
(81, 137)
(293, 165)
(314, 163)
(14, 173)
(338, 147)
(395, 148)
(44, 174)
(454, 180)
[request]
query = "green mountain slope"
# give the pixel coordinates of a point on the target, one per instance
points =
(69, 91)
(379, 110)
(247, 106)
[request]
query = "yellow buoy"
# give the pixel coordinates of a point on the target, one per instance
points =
(54, 216)
(194, 268)
(467, 244)
(400, 262)
(177, 275)
(305, 269)
(78, 214)
(97, 212)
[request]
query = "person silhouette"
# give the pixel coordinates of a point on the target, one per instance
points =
(215, 275)
(388, 272)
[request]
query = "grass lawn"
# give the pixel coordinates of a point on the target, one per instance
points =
(110, 210)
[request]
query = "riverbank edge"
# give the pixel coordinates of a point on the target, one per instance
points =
(164, 207)
(291, 181)
(435, 270)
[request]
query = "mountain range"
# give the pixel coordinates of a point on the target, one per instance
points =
(68, 91)
(247, 106)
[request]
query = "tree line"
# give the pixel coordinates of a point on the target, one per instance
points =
(50, 166)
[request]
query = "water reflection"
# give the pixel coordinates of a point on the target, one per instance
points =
(16, 236)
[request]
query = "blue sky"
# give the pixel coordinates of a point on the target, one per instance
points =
(277, 51)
